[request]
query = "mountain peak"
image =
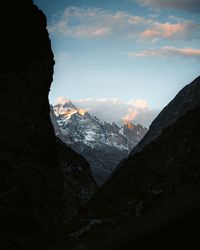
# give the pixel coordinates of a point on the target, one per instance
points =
(61, 100)
(66, 109)
(103, 144)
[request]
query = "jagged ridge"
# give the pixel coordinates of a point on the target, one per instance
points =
(103, 144)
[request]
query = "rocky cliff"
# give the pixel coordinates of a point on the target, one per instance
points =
(79, 185)
(33, 200)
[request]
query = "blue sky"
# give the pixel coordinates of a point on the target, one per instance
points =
(127, 50)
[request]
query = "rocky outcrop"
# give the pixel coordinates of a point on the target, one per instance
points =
(33, 201)
(134, 133)
(153, 194)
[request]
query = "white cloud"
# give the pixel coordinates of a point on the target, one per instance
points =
(139, 103)
(97, 23)
(168, 51)
(130, 116)
(115, 110)
(188, 5)
(179, 30)
(93, 22)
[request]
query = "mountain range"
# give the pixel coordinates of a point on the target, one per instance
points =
(103, 144)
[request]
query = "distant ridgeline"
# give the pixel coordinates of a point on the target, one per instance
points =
(103, 144)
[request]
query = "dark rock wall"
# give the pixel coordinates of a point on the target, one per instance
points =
(145, 198)
(102, 159)
(31, 180)
(79, 185)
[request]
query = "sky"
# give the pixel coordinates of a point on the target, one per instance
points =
(135, 54)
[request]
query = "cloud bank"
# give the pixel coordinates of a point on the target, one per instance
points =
(114, 110)
(188, 5)
(179, 30)
(168, 52)
(96, 23)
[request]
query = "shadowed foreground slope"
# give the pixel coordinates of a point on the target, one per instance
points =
(153, 197)
(187, 99)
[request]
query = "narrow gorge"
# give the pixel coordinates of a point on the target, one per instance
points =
(50, 197)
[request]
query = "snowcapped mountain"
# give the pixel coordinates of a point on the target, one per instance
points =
(103, 144)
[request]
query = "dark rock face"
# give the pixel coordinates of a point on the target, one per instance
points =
(153, 193)
(102, 159)
(31, 180)
(79, 185)
(187, 99)
(33, 164)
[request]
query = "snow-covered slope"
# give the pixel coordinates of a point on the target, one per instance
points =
(103, 144)
(77, 125)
